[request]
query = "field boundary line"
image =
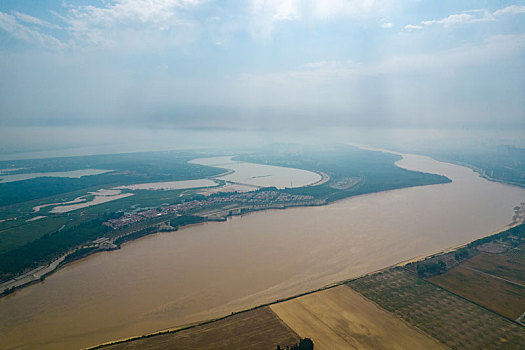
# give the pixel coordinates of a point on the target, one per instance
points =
(473, 302)
(493, 276)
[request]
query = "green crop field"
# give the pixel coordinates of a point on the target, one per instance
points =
(476, 279)
(450, 319)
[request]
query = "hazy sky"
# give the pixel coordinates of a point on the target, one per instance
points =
(262, 64)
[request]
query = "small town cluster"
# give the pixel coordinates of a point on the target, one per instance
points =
(250, 198)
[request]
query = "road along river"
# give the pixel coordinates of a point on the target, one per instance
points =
(212, 269)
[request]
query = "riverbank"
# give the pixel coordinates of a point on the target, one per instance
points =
(40, 273)
(462, 245)
(482, 173)
(27, 253)
(103, 244)
(329, 286)
(33, 276)
(28, 278)
(209, 271)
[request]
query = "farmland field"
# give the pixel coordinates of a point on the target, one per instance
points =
(339, 318)
(450, 319)
(255, 329)
(482, 280)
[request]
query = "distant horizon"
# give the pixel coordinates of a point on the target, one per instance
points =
(78, 141)
(262, 65)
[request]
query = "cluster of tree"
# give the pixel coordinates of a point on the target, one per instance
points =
(79, 254)
(440, 264)
(55, 244)
(304, 344)
(177, 222)
(136, 235)
(7, 291)
(112, 215)
(463, 254)
(517, 231)
(431, 268)
(49, 247)
(184, 220)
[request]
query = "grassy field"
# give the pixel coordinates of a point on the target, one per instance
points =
(142, 199)
(127, 168)
(448, 318)
(17, 233)
(339, 318)
(26, 232)
(474, 280)
(255, 329)
(367, 171)
(510, 265)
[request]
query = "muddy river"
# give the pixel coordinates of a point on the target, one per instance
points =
(209, 270)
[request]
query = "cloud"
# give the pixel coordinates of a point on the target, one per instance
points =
(491, 49)
(513, 9)
(33, 20)
(266, 14)
(20, 31)
(276, 10)
(413, 26)
(324, 9)
(465, 82)
(117, 23)
(470, 16)
(462, 18)
(315, 9)
(446, 86)
(130, 11)
(122, 20)
(136, 23)
(387, 25)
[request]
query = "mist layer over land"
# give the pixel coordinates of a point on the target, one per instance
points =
(133, 75)
(42, 142)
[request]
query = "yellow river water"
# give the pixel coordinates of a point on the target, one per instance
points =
(209, 270)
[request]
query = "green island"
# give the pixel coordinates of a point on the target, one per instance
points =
(34, 234)
(352, 171)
